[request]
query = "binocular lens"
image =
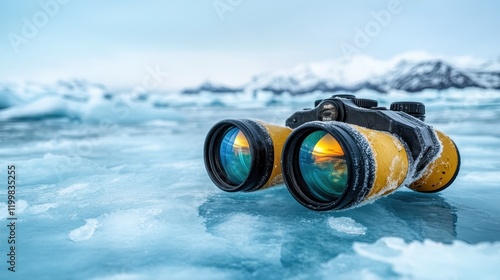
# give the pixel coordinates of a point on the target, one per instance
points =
(332, 165)
(235, 156)
(323, 166)
(244, 155)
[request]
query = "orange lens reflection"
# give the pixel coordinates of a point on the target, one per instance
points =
(326, 149)
(323, 166)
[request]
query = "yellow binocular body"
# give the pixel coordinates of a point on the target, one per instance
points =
(330, 165)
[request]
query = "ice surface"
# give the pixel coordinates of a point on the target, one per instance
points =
(135, 202)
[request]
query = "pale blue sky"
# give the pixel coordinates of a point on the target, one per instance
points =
(115, 41)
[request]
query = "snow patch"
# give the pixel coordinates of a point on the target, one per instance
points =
(482, 176)
(73, 188)
(346, 225)
(21, 206)
(84, 232)
(434, 260)
(41, 208)
(239, 228)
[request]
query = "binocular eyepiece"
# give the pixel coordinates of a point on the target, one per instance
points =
(342, 153)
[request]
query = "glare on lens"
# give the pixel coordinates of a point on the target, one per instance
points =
(241, 142)
(326, 149)
(323, 166)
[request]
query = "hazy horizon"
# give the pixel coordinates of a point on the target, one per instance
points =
(225, 41)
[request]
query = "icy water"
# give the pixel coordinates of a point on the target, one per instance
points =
(133, 201)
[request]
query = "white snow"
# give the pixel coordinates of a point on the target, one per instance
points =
(84, 232)
(346, 225)
(435, 260)
(73, 188)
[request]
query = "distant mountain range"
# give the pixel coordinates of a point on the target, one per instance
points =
(406, 73)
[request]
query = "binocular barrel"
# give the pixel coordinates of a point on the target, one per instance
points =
(244, 155)
(442, 171)
(333, 166)
(339, 155)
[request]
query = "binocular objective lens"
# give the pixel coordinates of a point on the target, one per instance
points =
(323, 166)
(235, 156)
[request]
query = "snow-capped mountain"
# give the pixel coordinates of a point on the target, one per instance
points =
(211, 87)
(434, 74)
(410, 73)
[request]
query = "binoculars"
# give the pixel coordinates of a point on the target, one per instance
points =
(343, 153)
